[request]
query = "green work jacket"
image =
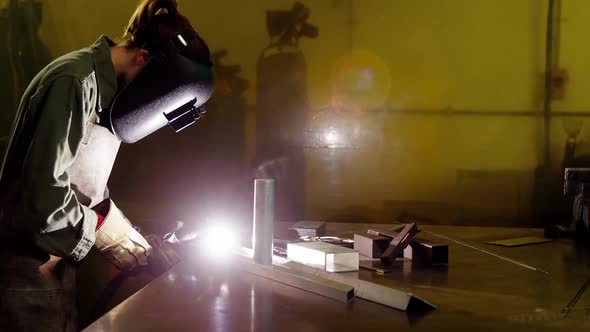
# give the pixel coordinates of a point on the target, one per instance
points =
(39, 202)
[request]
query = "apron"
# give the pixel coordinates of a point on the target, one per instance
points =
(37, 290)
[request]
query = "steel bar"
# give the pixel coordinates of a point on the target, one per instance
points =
(399, 243)
(307, 282)
(383, 232)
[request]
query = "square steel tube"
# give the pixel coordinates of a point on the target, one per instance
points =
(370, 245)
(427, 253)
(325, 256)
(307, 228)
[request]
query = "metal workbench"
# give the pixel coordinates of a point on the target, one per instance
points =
(476, 292)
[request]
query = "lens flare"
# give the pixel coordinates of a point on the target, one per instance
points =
(331, 138)
(361, 82)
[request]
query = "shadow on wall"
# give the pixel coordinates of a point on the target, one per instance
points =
(22, 55)
(281, 106)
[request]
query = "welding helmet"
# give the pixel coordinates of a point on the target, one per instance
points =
(171, 89)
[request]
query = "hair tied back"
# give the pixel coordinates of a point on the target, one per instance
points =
(161, 11)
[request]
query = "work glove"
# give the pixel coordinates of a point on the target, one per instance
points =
(163, 255)
(118, 241)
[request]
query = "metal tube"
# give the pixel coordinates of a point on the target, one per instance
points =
(262, 234)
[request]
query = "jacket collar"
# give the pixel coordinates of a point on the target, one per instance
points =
(104, 69)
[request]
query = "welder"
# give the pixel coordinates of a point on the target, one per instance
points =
(72, 118)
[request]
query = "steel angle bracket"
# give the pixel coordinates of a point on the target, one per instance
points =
(295, 278)
(390, 297)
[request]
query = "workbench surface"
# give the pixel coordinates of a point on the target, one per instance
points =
(475, 292)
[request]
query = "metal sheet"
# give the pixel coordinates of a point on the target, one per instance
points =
(519, 241)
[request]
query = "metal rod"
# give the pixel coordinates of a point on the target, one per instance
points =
(566, 310)
(486, 252)
(262, 235)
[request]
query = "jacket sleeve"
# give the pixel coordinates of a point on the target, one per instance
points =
(59, 224)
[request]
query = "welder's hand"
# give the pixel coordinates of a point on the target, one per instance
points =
(163, 255)
(118, 241)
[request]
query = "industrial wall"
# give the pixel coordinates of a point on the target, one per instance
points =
(452, 130)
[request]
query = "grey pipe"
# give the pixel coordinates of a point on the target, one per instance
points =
(547, 95)
(262, 234)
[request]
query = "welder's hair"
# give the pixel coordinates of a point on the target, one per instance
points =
(156, 22)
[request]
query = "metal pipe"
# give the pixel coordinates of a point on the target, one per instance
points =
(547, 96)
(475, 112)
(262, 234)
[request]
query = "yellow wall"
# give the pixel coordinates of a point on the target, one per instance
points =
(462, 55)
(237, 26)
(454, 54)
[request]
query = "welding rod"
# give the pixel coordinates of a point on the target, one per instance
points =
(486, 252)
(566, 310)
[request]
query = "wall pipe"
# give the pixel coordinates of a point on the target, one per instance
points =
(547, 94)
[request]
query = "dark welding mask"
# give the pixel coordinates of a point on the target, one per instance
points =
(170, 89)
